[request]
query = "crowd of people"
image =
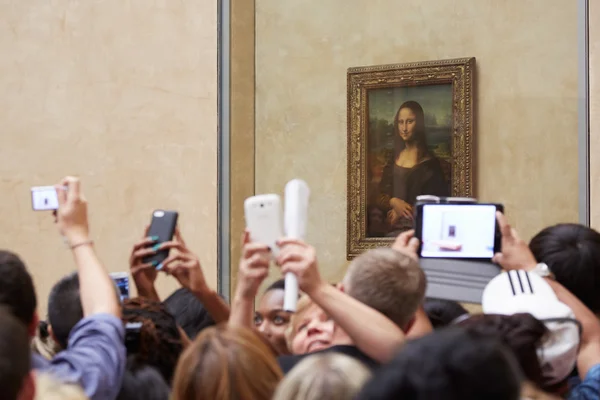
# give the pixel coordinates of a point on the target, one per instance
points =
(373, 335)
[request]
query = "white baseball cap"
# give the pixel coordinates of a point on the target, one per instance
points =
(516, 292)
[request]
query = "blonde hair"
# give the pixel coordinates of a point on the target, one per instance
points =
(47, 388)
(333, 376)
(227, 362)
(302, 306)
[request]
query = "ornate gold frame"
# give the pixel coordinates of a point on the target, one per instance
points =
(461, 74)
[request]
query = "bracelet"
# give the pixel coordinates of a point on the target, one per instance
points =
(84, 243)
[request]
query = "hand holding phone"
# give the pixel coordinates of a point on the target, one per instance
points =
(263, 220)
(162, 229)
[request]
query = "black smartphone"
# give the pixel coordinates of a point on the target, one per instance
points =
(458, 230)
(162, 226)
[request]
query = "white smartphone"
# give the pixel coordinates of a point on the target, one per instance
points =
(263, 219)
(121, 280)
(44, 198)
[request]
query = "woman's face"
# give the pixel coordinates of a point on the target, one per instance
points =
(314, 332)
(271, 320)
(407, 123)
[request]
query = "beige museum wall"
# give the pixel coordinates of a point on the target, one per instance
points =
(527, 98)
(124, 94)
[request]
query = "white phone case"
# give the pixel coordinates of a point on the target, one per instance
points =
(263, 219)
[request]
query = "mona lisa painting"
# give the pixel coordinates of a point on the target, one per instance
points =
(410, 133)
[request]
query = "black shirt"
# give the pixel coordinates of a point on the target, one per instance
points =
(288, 362)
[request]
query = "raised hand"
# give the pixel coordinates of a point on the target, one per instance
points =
(254, 266)
(406, 243)
(300, 259)
(183, 265)
(144, 274)
(515, 252)
(71, 216)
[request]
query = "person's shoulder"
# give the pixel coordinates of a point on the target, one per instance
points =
(287, 362)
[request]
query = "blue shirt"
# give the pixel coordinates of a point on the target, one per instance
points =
(94, 359)
(589, 388)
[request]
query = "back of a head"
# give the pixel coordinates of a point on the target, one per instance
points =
(448, 364)
(226, 362)
(189, 312)
(388, 281)
(442, 313)
(17, 292)
(48, 388)
(572, 252)
(158, 342)
(15, 358)
(521, 333)
(64, 308)
(332, 376)
(143, 382)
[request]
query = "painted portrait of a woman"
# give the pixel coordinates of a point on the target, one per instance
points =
(411, 170)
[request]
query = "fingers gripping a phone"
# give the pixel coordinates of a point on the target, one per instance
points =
(406, 243)
(144, 274)
(183, 265)
(515, 252)
(254, 266)
(299, 258)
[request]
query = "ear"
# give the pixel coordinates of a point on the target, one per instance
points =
(33, 325)
(28, 389)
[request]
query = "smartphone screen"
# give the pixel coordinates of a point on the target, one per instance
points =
(459, 230)
(121, 280)
(44, 198)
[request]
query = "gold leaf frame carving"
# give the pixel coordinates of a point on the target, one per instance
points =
(458, 72)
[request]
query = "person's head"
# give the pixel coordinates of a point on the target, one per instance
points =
(189, 312)
(332, 376)
(142, 381)
(226, 362)
(157, 342)
(409, 127)
(442, 313)
(521, 333)
(572, 252)
(515, 292)
(311, 329)
(388, 281)
(448, 364)
(271, 319)
(16, 378)
(17, 292)
(49, 388)
(64, 308)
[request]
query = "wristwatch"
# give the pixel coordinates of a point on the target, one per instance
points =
(544, 271)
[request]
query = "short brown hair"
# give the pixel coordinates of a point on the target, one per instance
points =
(388, 281)
(227, 362)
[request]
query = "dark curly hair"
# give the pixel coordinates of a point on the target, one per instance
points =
(158, 342)
(521, 333)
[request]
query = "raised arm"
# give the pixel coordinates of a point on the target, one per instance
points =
(517, 255)
(96, 287)
(253, 269)
(372, 332)
(185, 267)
